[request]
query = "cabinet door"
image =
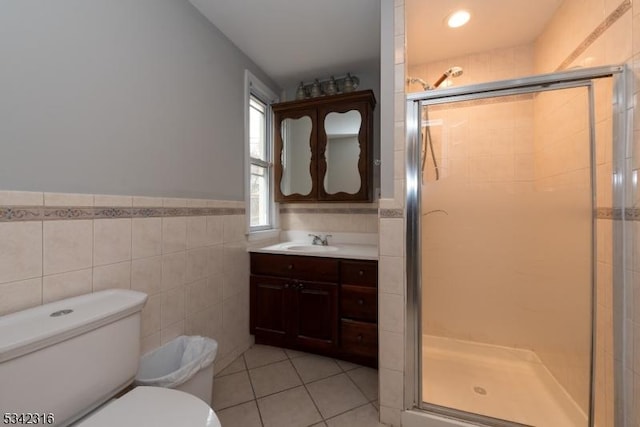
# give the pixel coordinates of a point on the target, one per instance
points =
(268, 311)
(295, 145)
(315, 315)
(345, 150)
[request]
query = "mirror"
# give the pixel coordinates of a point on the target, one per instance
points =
(296, 156)
(342, 153)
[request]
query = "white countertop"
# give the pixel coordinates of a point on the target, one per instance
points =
(338, 250)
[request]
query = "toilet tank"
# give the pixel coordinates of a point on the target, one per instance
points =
(70, 356)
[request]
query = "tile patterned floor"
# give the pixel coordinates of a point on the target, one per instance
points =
(274, 387)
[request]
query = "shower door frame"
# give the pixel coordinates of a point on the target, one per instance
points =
(581, 77)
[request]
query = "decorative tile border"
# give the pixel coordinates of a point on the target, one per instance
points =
(391, 213)
(31, 213)
(348, 211)
(608, 213)
(599, 30)
(632, 214)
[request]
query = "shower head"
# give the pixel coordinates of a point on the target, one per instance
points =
(451, 72)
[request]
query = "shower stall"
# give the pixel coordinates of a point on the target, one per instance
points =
(505, 182)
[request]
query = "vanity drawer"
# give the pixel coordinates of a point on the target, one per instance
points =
(296, 267)
(359, 302)
(359, 338)
(359, 273)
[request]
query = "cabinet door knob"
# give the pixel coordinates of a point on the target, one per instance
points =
(359, 338)
(360, 301)
(290, 267)
(286, 286)
(361, 273)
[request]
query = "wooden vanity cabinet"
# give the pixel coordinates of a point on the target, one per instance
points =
(359, 310)
(319, 305)
(293, 301)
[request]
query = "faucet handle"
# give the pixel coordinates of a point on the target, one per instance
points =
(316, 239)
(325, 241)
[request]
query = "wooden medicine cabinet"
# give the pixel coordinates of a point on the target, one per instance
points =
(324, 148)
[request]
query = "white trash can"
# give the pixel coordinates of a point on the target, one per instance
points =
(185, 364)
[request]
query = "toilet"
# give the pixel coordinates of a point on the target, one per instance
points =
(70, 361)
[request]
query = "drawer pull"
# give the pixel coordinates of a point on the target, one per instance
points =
(360, 338)
(361, 273)
(290, 267)
(360, 301)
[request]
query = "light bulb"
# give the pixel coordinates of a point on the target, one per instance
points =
(458, 18)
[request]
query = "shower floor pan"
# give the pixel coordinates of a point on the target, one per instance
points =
(499, 382)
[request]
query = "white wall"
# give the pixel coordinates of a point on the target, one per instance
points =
(137, 97)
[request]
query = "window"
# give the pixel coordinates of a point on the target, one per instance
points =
(258, 127)
(260, 165)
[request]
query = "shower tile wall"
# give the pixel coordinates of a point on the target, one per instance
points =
(496, 64)
(192, 264)
(596, 32)
(599, 33)
(391, 268)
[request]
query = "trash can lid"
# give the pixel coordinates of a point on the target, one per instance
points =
(154, 406)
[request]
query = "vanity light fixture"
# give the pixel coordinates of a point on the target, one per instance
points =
(458, 18)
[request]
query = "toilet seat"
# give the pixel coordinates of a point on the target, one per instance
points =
(153, 407)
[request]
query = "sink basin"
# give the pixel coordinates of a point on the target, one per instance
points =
(311, 248)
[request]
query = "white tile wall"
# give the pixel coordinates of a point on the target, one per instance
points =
(67, 245)
(391, 310)
(146, 237)
(111, 240)
(66, 285)
(21, 257)
(194, 269)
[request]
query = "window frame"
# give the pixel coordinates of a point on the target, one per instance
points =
(254, 88)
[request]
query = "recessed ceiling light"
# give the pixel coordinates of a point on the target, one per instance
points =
(458, 18)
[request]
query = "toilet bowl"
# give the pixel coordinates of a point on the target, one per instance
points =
(71, 358)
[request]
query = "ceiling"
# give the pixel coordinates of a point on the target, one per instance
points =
(494, 24)
(295, 40)
(300, 40)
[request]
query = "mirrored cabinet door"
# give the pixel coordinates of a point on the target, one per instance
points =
(345, 162)
(296, 156)
(295, 145)
(342, 152)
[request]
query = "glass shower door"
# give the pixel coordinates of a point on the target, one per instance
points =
(507, 256)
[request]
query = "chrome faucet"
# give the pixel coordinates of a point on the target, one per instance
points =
(319, 240)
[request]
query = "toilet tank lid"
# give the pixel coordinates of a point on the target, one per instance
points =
(38, 327)
(154, 406)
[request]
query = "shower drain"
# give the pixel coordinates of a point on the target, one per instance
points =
(480, 390)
